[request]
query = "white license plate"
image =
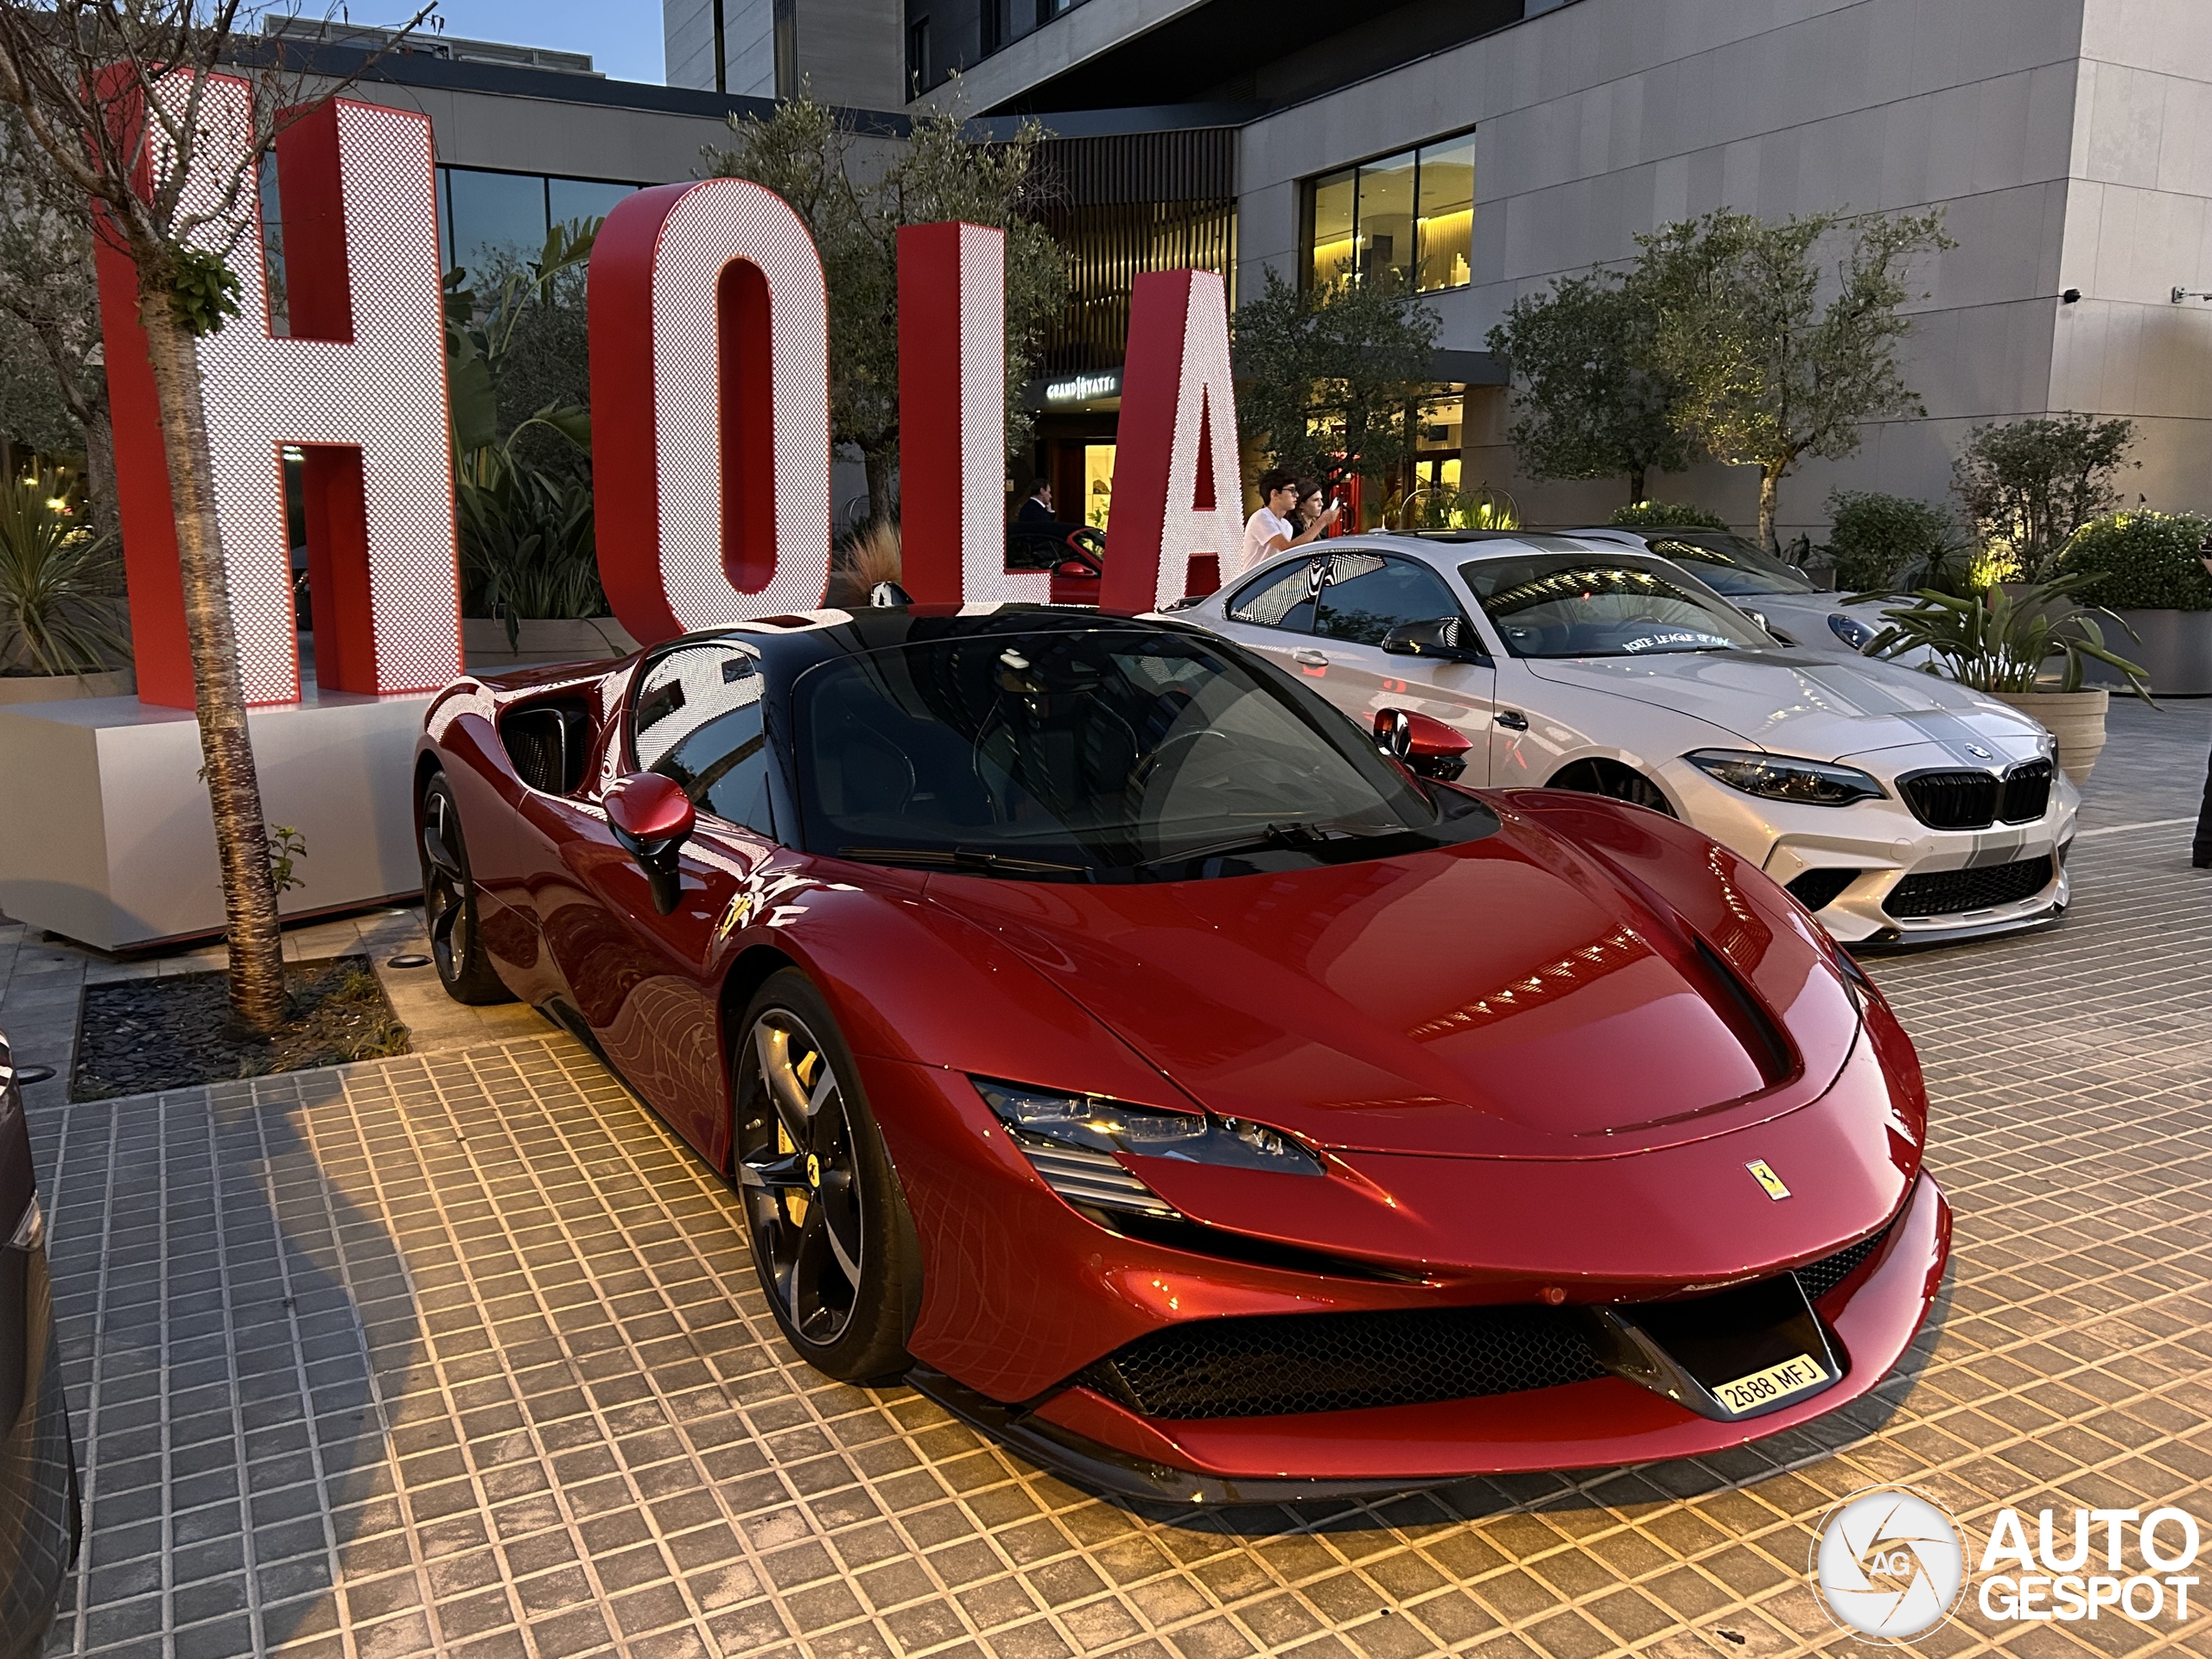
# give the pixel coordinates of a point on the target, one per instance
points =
(1775, 1383)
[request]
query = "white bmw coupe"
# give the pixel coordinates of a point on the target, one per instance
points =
(1897, 807)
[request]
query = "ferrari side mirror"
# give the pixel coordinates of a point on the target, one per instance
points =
(652, 818)
(1425, 745)
(1448, 639)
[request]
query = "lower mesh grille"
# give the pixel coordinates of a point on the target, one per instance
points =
(1824, 1276)
(1817, 889)
(1333, 1362)
(1946, 892)
(1282, 1365)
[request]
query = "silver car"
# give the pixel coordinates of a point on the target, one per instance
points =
(1894, 805)
(1784, 598)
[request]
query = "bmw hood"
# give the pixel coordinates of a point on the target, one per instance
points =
(1507, 997)
(1796, 702)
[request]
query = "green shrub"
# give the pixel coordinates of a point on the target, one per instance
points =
(1888, 544)
(1645, 514)
(2142, 561)
(61, 585)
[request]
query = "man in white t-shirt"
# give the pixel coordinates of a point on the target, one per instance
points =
(1269, 530)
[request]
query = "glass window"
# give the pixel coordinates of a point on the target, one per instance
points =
(1447, 214)
(1335, 199)
(1091, 753)
(1406, 218)
(1595, 605)
(495, 213)
(272, 248)
(572, 198)
(1368, 595)
(1386, 221)
(1097, 484)
(1728, 564)
(1283, 598)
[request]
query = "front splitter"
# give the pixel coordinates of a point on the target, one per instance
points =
(1377, 1451)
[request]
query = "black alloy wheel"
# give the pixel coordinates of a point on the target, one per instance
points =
(450, 903)
(832, 1243)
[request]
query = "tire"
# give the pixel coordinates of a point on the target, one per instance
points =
(449, 902)
(1614, 781)
(832, 1241)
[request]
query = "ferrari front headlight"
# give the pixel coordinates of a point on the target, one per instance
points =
(1785, 778)
(1092, 1123)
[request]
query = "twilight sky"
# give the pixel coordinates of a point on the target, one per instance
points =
(623, 36)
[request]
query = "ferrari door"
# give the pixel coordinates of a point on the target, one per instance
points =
(644, 982)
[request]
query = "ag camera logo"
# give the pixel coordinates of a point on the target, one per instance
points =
(1888, 1563)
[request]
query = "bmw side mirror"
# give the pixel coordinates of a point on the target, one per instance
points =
(1424, 745)
(652, 818)
(1448, 638)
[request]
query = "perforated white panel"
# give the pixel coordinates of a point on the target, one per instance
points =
(385, 393)
(1205, 387)
(984, 578)
(717, 221)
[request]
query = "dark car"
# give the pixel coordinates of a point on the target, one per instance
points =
(39, 1515)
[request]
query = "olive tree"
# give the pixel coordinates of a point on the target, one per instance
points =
(1778, 354)
(113, 93)
(1588, 400)
(1328, 378)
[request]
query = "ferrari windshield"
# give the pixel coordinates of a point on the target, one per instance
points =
(1604, 605)
(1727, 563)
(1095, 754)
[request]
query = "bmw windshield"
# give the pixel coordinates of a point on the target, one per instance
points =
(1097, 754)
(1604, 605)
(1728, 564)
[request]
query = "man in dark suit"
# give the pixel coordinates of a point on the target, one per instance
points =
(1037, 509)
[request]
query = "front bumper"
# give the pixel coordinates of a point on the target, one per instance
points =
(1081, 1433)
(1901, 882)
(39, 1518)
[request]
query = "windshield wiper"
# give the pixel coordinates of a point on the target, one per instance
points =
(1295, 838)
(963, 858)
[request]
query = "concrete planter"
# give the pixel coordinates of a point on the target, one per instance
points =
(2074, 719)
(2175, 648)
(65, 687)
(542, 639)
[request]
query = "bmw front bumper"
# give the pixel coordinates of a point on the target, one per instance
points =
(1873, 874)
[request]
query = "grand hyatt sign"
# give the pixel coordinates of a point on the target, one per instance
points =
(711, 404)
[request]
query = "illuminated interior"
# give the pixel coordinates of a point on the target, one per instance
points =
(1097, 483)
(1408, 218)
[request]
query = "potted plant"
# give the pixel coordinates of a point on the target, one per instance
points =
(2145, 568)
(61, 627)
(2004, 644)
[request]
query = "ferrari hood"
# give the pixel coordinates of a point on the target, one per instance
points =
(1506, 997)
(1795, 702)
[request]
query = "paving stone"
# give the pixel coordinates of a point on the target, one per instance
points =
(461, 1352)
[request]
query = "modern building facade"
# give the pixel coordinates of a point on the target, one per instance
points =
(1484, 148)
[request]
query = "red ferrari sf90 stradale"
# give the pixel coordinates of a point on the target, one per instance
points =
(1110, 1040)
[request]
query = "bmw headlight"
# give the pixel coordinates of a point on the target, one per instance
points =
(1784, 777)
(1042, 1120)
(1849, 629)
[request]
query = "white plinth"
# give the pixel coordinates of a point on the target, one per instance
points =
(107, 836)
